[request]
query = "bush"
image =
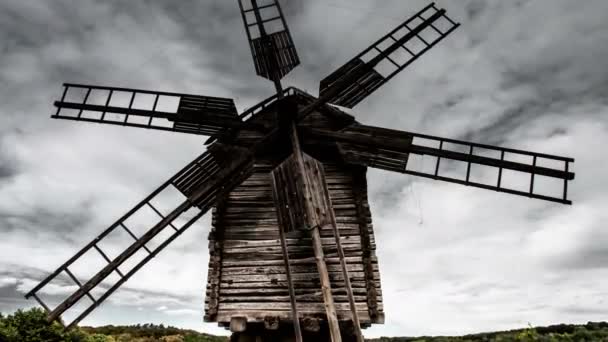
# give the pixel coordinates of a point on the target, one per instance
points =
(100, 338)
(31, 326)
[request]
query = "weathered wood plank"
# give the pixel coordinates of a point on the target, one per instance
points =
(294, 269)
(302, 261)
(363, 214)
(233, 221)
(304, 298)
(252, 269)
(235, 227)
(269, 227)
(284, 306)
(290, 242)
(336, 277)
(258, 315)
(266, 233)
(215, 266)
(293, 248)
(283, 285)
(275, 256)
(362, 291)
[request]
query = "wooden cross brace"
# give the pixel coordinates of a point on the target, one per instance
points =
(302, 201)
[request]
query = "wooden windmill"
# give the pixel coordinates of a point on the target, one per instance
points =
(286, 181)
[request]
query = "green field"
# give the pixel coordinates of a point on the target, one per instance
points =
(31, 326)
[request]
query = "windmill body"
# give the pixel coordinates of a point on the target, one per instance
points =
(292, 248)
(246, 271)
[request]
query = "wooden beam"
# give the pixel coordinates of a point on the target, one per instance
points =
(216, 244)
(349, 290)
(238, 324)
(405, 145)
(332, 317)
(285, 250)
(272, 323)
(330, 309)
(324, 217)
(359, 188)
(96, 279)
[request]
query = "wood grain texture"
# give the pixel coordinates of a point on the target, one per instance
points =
(360, 191)
(252, 281)
(252, 265)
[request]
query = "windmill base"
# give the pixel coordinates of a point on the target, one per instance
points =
(285, 333)
(286, 336)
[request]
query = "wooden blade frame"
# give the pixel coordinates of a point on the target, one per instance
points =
(192, 114)
(388, 56)
(390, 150)
(201, 181)
(269, 38)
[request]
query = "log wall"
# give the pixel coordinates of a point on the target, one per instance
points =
(246, 272)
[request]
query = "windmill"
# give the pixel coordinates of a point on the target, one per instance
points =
(292, 250)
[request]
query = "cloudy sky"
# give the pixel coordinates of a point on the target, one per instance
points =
(523, 74)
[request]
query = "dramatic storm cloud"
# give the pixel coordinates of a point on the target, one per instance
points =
(523, 74)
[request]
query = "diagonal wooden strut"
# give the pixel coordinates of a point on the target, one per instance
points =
(285, 250)
(332, 317)
(277, 196)
(303, 203)
(214, 181)
(318, 187)
(347, 285)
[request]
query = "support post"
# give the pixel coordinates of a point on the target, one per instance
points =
(328, 299)
(292, 293)
(347, 285)
(330, 309)
(238, 324)
(332, 317)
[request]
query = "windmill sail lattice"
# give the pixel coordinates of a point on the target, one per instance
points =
(194, 114)
(204, 173)
(384, 59)
(269, 38)
(391, 149)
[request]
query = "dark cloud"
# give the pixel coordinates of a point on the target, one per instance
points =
(11, 299)
(497, 132)
(589, 257)
(41, 219)
(8, 168)
(512, 73)
(583, 310)
(474, 9)
(590, 253)
(551, 76)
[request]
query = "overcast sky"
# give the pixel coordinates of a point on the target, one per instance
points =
(522, 74)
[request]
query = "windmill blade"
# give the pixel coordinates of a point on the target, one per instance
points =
(201, 182)
(165, 111)
(376, 65)
(274, 53)
(479, 165)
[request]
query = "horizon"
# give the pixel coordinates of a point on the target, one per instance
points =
(453, 259)
(528, 326)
